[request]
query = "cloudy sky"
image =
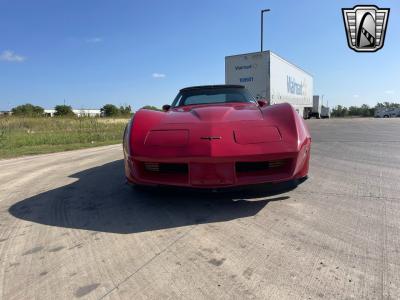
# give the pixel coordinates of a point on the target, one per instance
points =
(141, 52)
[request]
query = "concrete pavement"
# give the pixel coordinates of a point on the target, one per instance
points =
(71, 228)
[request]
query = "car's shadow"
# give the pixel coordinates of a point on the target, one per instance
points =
(101, 201)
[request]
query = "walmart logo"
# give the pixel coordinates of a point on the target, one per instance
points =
(246, 67)
(293, 87)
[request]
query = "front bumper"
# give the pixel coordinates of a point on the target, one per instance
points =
(211, 172)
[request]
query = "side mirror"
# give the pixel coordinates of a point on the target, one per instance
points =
(262, 103)
(166, 107)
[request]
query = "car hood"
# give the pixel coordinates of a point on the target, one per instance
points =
(216, 130)
(213, 113)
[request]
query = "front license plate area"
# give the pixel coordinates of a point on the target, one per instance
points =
(212, 174)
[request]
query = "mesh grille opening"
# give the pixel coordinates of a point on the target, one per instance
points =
(257, 166)
(165, 167)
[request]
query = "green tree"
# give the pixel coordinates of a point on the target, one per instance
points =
(371, 111)
(125, 110)
(63, 111)
(110, 110)
(151, 107)
(339, 111)
(28, 110)
(394, 105)
(365, 111)
(354, 111)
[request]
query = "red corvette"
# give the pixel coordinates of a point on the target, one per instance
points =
(214, 137)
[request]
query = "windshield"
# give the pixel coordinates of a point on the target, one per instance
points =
(212, 96)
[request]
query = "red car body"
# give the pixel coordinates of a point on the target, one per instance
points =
(216, 145)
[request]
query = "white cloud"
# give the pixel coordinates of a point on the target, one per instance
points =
(94, 40)
(158, 75)
(390, 92)
(356, 96)
(11, 56)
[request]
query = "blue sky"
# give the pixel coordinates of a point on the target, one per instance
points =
(141, 52)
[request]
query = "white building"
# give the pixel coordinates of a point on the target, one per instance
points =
(84, 112)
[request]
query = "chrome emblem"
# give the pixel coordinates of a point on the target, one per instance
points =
(365, 27)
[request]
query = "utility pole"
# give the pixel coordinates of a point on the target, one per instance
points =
(262, 26)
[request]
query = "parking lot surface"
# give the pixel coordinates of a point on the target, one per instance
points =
(71, 228)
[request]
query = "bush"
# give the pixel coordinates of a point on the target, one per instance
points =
(125, 111)
(339, 111)
(361, 111)
(110, 110)
(63, 111)
(28, 110)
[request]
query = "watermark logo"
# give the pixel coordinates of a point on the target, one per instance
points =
(365, 27)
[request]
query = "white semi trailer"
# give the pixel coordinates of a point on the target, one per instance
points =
(318, 109)
(272, 78)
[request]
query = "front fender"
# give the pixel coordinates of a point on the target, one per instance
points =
(293, 130)
(141, 123)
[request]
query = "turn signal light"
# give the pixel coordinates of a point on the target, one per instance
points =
(276, 163)
(152, 167)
